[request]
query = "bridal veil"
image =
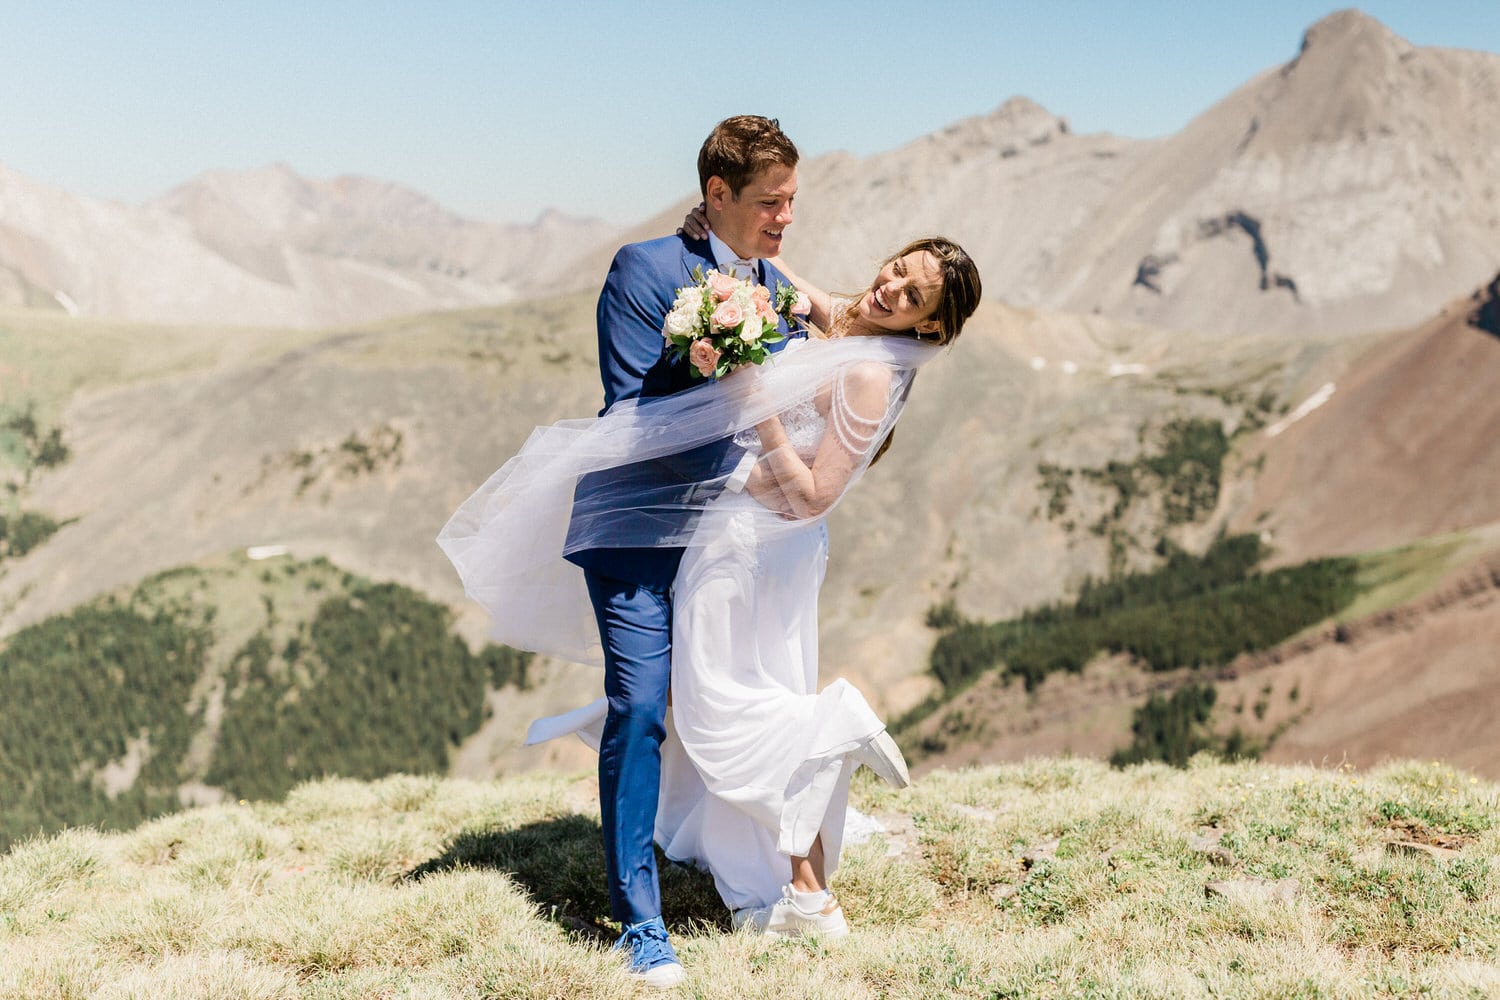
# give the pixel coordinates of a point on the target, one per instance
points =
(509, 540)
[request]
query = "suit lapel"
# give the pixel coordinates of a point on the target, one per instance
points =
(696, 253)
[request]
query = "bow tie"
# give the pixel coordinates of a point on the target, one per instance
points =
(741, 268)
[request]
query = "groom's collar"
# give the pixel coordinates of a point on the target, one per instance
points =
(723, 256)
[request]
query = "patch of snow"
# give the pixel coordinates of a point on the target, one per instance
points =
(259, 552)
(1317, 399)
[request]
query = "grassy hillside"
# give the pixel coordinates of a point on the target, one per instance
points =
(1047, 452)
(1053, 878)
(1192, 612)
(232, 678)
(1218, 652)
(356, 444)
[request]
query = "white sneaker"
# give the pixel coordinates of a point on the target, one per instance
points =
(881, 754)
(650, 955)
(661, 977)
(787, 919)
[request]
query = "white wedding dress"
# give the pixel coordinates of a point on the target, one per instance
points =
(756, 763)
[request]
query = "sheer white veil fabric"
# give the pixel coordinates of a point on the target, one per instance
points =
(509, 539)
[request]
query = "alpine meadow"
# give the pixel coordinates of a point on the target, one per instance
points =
(1178, 589)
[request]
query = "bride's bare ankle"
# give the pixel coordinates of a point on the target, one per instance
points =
(806, 877)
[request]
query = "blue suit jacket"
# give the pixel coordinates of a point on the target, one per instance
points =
(633, 362)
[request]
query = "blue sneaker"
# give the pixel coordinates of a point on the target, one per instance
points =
(652, 960)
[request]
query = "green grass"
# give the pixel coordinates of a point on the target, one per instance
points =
(1052, 878)
(1395, 576)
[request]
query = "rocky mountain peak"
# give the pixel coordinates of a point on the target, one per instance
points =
(1353, 78)
(1024, 115)
(1351, 33)
(1012, 127)
(273, 196)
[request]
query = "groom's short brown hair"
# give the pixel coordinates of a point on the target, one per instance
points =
(739, 148)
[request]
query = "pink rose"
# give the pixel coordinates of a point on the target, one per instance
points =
(761, 293)
(802, 306)
(728, 315)
(721, 284)
(766, 312)
(704, 357)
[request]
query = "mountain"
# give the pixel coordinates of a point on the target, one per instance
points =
(1028, 463)
(1347, 190)
(1384, 450)
(1016, 187)
(1415, 679)
(1402, 448)
(1013, 187)
(269, 247)
(1350, 189)
(357, 443)
(1002, 490)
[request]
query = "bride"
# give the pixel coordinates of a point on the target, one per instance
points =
(757, 761)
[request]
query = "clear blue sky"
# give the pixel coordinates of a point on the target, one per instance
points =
(502, 109)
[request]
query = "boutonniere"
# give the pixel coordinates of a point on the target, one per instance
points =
(792, 305)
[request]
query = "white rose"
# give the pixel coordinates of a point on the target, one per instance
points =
(745, 299)
(751, 330)
(691, 299)
(680, 323)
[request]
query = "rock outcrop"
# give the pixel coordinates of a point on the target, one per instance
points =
(1486, 313)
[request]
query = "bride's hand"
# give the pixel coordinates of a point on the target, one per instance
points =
(695, 224)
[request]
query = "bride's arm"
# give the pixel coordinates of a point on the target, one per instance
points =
(800, 490)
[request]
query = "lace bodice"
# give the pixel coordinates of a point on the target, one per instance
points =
(803, 423)
(804, 427)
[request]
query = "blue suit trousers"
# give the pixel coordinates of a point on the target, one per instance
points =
(635, 623)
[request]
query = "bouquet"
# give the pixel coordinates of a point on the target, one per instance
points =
(719, 323)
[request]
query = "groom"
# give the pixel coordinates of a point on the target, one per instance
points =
(747, 174)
